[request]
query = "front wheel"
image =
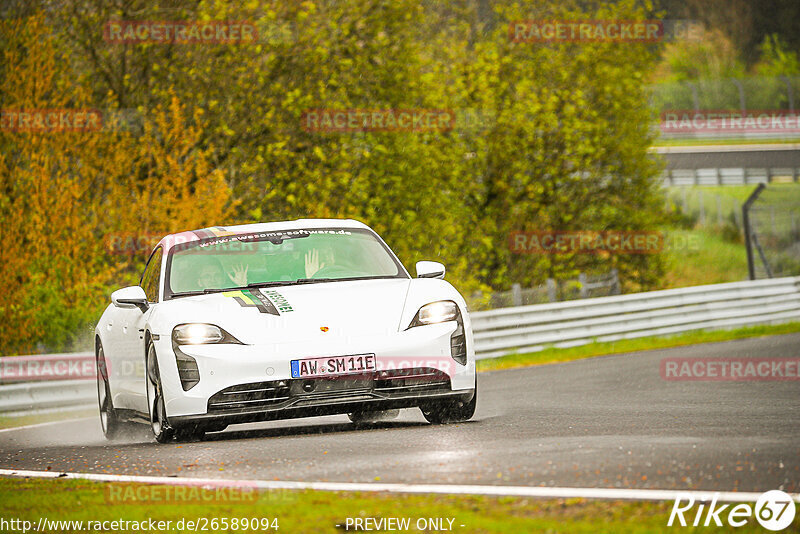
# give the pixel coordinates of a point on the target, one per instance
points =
(155, 398)
(450, 411)
(373, 416)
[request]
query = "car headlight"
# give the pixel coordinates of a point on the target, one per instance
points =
(436, 312)
(441, 312)
(201, 334)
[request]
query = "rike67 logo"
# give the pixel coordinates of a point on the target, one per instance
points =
(774, 510)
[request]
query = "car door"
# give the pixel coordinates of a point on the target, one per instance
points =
(133, 325)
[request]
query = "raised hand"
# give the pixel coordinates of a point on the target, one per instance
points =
(239, 274)
(312, 262)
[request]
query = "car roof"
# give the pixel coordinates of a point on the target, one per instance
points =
(220, 231)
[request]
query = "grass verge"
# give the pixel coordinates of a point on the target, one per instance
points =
(702, 257)
(320, 511)
(554, 355)
(23, 420)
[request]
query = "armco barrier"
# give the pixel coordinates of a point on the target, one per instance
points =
(520, 329)
(31, 397)
(672, 311)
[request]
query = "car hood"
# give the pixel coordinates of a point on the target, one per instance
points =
(288, 314)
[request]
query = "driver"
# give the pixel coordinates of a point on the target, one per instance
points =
(315, 260)
(211, 275)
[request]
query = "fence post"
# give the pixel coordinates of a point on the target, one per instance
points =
(516, 295)
(748, 241)
(615, 289)
(551, 290)
(789, 92)
(702, 207)
(582, 281)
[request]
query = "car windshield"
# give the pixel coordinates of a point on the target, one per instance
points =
(278, 258)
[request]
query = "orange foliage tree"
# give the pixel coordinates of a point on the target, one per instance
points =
(64, 192)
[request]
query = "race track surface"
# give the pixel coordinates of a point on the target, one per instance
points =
(608, 422)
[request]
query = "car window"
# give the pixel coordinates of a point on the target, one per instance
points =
(236, 261)
(151, 276)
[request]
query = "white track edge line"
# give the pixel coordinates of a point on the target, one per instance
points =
(36, 425)
(453, 489)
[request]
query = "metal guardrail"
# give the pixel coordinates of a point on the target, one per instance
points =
(729, 176)
(672, 311)
(522, 329)
(50, 396)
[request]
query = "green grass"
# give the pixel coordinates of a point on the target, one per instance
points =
(9, 422)
(716, 252)
(701, 257)
(554, 355)
(319, 511)
(731, 196)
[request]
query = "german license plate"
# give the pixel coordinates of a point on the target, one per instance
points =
(333, 366)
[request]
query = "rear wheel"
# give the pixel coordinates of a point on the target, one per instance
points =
(155, 398)
(450, 411)
(109, 421)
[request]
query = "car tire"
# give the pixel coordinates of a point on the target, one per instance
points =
(450, 411)
(373, 416)
(190, 433)
(159, 423)
(110, 422)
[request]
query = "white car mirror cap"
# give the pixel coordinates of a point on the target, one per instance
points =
(430, 269)
(130, 297)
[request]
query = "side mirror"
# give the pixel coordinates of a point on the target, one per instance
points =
(130, 297)
(430, 269)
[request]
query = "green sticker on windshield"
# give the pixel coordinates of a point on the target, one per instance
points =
(279, 300)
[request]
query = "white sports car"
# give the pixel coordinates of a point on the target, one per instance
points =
(279, 320)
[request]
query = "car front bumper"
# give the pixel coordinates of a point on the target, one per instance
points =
(412, 367)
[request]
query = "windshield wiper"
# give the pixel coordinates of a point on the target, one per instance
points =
(277, 283)
(274, 283)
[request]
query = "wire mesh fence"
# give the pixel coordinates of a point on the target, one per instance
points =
(585, 286)
(772, 231)
(760, 93)
(706, 207)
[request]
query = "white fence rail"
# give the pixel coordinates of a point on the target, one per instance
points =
(524, 329)
(729, 176)
(36, 397)
(673, 311)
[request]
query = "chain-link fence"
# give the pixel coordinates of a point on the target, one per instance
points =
(772, 231)
(756, 93)
(585, 286)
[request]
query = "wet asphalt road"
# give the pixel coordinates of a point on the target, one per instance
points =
(604, 422)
